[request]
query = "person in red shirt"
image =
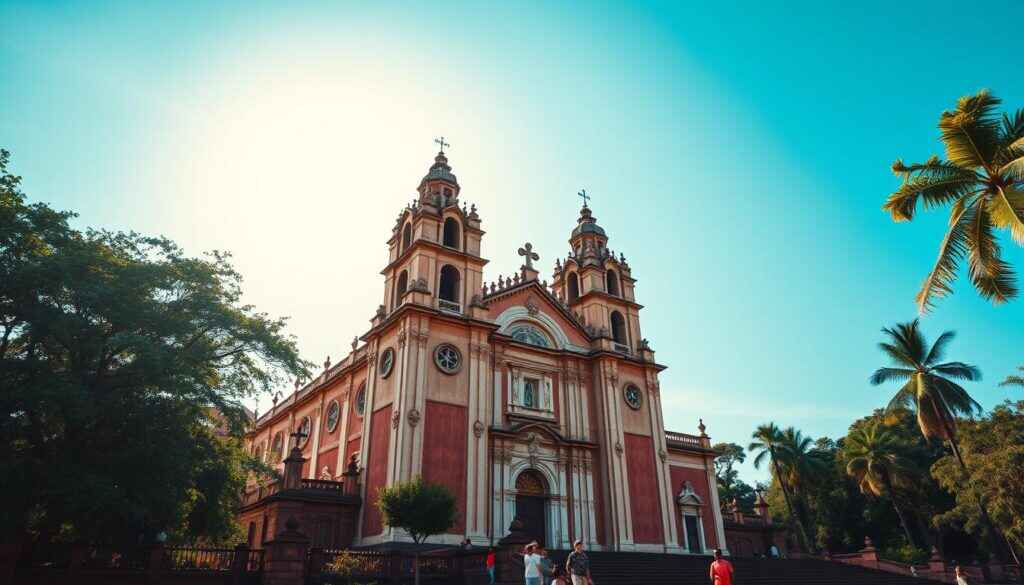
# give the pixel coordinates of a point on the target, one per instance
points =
(721, 570)
(490, 564)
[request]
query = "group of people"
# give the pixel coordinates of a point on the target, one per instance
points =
(540, 570)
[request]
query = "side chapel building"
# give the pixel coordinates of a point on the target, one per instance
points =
(529, 401)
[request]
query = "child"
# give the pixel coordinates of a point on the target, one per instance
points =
(558, 577)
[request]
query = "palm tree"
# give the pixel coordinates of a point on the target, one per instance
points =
(875, 462)
(929, 389)
(982, 179)
(1014, 380)
(769, 443)
(801, 465)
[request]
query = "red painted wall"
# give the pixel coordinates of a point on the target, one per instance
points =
(444, 455)
(376, 468)
(699, 479)
(328, 458)
(643, 490)
(351, 447)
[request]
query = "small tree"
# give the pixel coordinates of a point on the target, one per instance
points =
(421, 508)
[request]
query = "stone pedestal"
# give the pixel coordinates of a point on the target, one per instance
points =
(285, 557)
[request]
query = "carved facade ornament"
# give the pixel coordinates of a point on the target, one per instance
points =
(533, 443)
(419, 285)
(414, 417)
(663, 455)
(478, 429)
(371, 358)
(688, 496)
(618, 448)
(401, 338)
(531, 306)
(325, 473)
(396, 418)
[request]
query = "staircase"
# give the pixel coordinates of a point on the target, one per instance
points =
(622, 568)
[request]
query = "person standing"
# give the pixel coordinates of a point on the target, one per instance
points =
(961, 576)
(578, 565)
(490, 565)
(531, 562)
(545, 566)
(721, 570)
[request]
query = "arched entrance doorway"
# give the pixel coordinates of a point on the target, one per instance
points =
(532, 504)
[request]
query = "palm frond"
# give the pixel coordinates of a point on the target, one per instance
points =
(883, 375)
(897, 354)
(904, 397)
(953, 397)
(1007, 209)
(959, 371)
(971, 132)
(1013, 381)
(1011, 136)
(938, 349)
(939, 281)
(1014, 169)
(934, 183)
(992, 277)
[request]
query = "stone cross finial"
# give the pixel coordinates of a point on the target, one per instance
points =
(583, 195)
(442, 143)
(298, 435)
(327, 363)
(527, 252)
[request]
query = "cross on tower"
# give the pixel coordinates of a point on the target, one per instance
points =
(583, 195)
(529, 254)
(298, 436)
(442, 143)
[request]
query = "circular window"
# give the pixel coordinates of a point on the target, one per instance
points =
(333, 413)
(361, 400)
(447, 358)
(387, 362)
(633, 396)
(304, 427)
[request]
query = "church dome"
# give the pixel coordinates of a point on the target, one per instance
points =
(440, 170)
(587, 224)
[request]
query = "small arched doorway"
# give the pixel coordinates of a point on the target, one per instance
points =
(532, 504)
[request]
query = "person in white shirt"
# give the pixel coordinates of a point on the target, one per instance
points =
(961, 576)
(532, 563)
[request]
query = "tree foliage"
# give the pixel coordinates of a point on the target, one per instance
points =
(992, 448)
(123, 364)
(419, 507)
(982, 181)
(730, 487)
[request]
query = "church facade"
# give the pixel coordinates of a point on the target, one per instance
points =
(530, 400)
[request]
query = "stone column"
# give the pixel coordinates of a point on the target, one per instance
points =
(285, 556)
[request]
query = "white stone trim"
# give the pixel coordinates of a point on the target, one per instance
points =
(545, 322)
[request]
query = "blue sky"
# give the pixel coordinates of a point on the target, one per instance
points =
(738, 154)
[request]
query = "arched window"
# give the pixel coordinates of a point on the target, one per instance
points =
(618, 328)
(531, 483)
(400, 288)
(406, 237)
(574, 287)
(528, 334)
(451, 233)
(449, 289)
(611, 282)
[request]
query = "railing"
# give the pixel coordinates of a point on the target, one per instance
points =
(621, 348)
(335, 487)
(261, 492)
(330, 566)
(449, 306)
(684, 439)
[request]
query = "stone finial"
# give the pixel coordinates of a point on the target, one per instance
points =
(355, 342)
(701, 427)
(327, 363)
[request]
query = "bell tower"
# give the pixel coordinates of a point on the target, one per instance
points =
(434, 249)
(599, 287)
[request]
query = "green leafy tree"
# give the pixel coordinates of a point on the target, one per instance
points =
(993, 449)
(730, 487)
(930, 390)
(123, 366)
(875, 460)
(982, 180)
(419, 507)
(802, 466)
(769, 443)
